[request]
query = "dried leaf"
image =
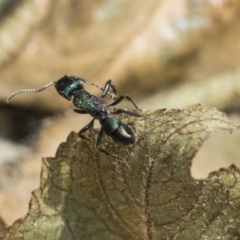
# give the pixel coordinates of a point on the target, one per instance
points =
(87, 195)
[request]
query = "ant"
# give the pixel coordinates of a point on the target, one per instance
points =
(72, 87)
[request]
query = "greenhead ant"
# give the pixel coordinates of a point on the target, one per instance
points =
(71, 87)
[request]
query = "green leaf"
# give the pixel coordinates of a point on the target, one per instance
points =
(149, 194)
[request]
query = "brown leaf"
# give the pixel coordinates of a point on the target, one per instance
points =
(87, 195)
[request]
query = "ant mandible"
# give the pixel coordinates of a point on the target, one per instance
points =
(72, 87)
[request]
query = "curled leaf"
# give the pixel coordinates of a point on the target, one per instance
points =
(87, 195)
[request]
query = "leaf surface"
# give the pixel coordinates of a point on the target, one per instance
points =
(147, 194)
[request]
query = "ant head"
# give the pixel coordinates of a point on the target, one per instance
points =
(67, 85)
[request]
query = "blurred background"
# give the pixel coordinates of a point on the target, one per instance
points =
(164, 54)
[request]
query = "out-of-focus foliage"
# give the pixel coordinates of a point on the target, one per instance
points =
(145, 45)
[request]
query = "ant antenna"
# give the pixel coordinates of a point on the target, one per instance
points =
(90, 83)
(112, 95)
(13, 95)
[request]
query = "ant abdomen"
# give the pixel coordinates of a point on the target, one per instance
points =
(119, 132)
(123, 135)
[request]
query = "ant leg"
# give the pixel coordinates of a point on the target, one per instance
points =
(80, 111)
(98, 142)
(119, 99)
(135, 114)
(109, 84)
(84, 129)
